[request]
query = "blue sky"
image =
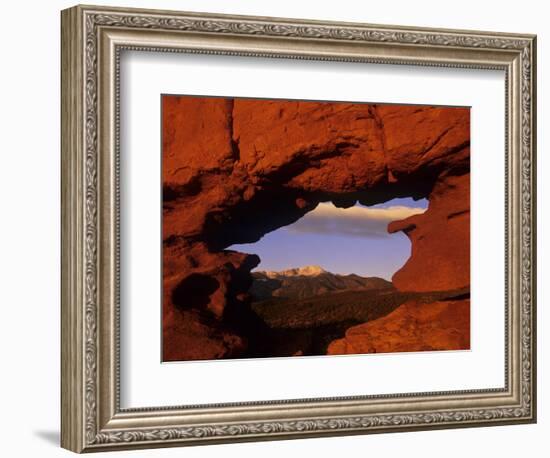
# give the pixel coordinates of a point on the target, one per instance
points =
(342, 241)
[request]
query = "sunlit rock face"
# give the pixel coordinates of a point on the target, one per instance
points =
(440, 239)
(234, 170)
(413, 326)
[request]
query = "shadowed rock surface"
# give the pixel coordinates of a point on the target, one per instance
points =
(234, 170)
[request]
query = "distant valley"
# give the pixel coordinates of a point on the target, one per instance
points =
(303, 309)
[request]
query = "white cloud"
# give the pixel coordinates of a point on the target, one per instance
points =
(357, 221)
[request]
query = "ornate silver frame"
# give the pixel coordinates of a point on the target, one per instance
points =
(92, 39)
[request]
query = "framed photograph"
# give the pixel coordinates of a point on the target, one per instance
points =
(278, 228)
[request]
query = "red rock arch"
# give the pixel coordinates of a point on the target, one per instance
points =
(234, 170)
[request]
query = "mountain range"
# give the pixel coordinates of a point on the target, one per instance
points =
(309, 281)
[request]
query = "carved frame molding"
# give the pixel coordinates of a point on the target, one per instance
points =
(92, 39)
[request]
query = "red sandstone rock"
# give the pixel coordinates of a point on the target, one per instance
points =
(411, 327)
(235, 170)
(186, 337)
(440, 239)
(418, 138)
(196, 136)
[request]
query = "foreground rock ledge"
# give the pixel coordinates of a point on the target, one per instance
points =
(234, 170)
(413, 326)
